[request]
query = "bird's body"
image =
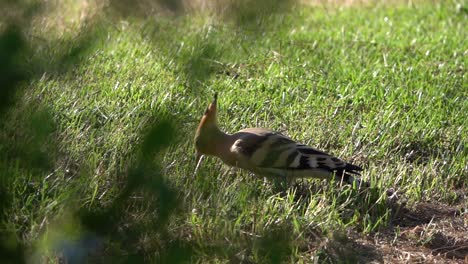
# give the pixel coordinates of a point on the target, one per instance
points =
(268, 153)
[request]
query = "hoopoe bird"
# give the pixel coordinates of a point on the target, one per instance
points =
(268, 153)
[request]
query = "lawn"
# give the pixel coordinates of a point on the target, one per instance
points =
(96, 141)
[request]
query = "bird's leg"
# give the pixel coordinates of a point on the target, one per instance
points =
(281, 185)
(234, 171)
(265, 181)
(288, 183)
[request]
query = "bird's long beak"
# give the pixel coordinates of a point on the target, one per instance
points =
(198, 159)
(198, 156)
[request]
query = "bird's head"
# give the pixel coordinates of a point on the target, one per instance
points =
(208, 124)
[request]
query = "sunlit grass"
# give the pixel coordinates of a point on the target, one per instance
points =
(382, 87)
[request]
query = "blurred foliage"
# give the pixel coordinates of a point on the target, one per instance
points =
(35, 146)
(12, 72)
(144, 8)
(12, 46)
(251, 14)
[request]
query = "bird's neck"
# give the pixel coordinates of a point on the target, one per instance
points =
(219, 142)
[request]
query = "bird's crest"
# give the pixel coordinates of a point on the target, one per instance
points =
(206, 128)
(209, 117)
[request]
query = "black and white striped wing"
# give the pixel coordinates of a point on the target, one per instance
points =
(277, 154)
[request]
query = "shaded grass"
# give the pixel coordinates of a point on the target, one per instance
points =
(382, 87)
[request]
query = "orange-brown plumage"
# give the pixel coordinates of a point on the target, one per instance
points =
(267, 153)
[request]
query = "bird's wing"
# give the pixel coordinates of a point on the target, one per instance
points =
(274, 153)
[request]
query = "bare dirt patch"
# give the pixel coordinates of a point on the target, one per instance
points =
(425, 233)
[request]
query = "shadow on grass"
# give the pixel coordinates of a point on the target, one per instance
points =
(344, 248)
(143, 178)
(197, 57)
(423, 213)
(369, 208)
(27, 148)
(33, 148)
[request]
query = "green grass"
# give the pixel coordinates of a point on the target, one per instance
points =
(383, 87)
